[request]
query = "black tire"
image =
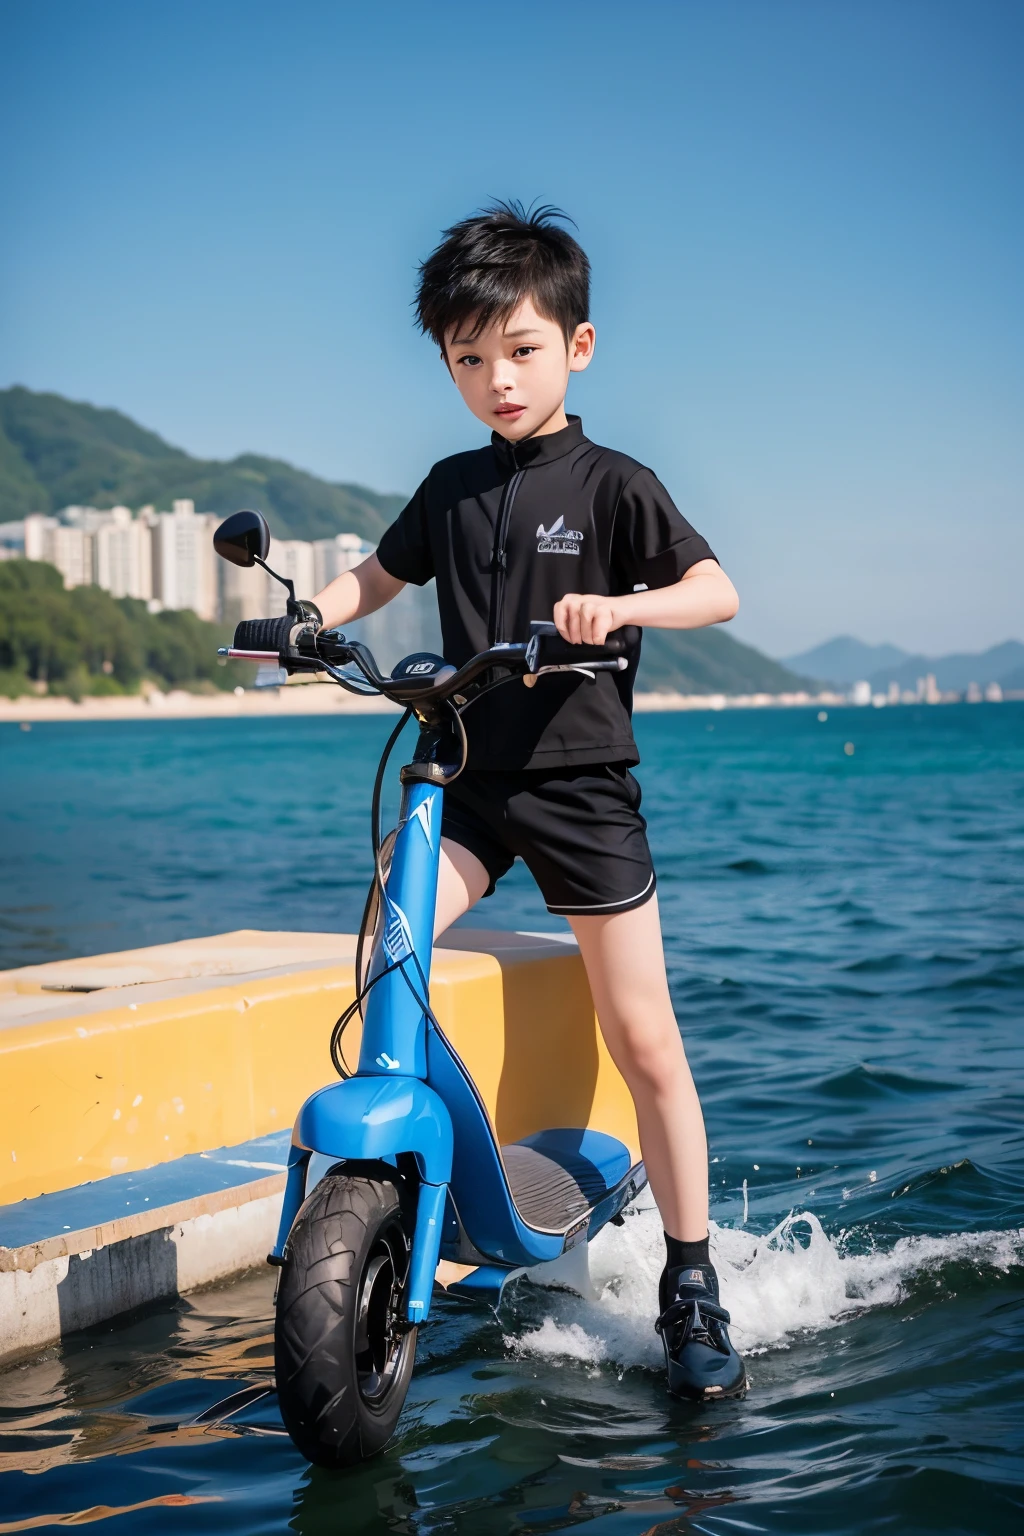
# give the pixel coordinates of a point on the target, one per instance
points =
(342, 1355)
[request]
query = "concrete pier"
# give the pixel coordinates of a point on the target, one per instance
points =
(147, 1097)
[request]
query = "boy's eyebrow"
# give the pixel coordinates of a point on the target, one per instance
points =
(467, 341)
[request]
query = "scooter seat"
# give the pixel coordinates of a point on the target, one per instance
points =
(557, 1176)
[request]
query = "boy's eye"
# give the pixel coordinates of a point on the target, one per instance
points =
(523, 351)
(471, 360)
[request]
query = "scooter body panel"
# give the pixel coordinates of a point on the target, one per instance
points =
(479, 1182)
(479, 1186)
(393, 1039)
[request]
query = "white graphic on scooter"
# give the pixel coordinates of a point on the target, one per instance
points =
(424, 814)
(387, 1062)
(398, 944)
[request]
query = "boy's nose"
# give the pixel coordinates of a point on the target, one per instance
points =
(500, 381)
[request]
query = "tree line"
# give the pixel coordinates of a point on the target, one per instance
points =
(87, 642)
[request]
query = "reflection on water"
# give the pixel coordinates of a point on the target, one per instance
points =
(908, 1408)
(845, 945)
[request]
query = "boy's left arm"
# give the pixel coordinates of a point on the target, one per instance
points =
(705, 595)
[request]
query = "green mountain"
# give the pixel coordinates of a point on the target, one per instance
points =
(56, 453)
(710, 661)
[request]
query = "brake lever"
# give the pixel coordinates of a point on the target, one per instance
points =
(587, 672)
(586, 669)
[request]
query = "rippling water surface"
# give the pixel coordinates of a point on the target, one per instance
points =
(846, 941)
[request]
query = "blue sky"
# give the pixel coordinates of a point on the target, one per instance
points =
(805, 222)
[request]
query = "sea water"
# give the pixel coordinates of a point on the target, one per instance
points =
(843, 904)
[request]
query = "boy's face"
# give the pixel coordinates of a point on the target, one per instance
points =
(514, 376)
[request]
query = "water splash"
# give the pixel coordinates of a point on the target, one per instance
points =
(794, 1280)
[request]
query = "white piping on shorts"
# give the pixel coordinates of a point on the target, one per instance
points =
(604, 906)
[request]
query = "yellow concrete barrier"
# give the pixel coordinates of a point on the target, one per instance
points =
(120, 1062)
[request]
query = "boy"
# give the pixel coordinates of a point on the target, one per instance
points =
(541, 523)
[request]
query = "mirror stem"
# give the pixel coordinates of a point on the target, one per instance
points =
(293, 606)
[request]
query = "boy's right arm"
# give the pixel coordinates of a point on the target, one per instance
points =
(355, 593)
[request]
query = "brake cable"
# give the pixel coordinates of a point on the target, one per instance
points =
(377, 882)
(376, 889)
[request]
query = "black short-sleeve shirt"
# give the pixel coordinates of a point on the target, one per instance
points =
(506, 531)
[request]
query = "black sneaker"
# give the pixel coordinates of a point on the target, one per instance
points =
(701, 1362)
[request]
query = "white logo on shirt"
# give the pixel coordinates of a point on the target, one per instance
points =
(558, 540)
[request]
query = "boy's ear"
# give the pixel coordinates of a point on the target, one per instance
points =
(581, 347)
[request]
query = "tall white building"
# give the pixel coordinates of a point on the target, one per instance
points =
(123, 555)
(68, 548)
(184, 575)
(36, 528)
(89, 519)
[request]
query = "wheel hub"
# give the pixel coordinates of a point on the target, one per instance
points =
(379, 1328)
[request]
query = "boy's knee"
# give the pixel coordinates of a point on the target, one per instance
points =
(653, 1056)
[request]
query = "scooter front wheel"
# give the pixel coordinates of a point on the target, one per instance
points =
(343, 1355)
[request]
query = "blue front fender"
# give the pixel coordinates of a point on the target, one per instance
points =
(372, 1119)
(378, 1117)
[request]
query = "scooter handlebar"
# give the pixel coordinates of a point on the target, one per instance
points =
(302, 647)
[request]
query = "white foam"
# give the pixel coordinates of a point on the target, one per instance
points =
(794, 1280)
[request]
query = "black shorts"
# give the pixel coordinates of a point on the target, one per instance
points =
(578, 830)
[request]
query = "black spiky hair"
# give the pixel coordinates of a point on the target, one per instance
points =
(488, 264)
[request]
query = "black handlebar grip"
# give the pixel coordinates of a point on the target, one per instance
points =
(621, 640)
(263, 634)
(553, 651)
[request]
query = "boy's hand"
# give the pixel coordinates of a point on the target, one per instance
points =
(587, 620)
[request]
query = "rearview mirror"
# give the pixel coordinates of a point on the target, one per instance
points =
(243, 538)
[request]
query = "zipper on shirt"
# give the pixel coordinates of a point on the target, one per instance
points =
(500, 555)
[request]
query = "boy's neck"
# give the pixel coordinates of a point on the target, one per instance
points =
(555, 423)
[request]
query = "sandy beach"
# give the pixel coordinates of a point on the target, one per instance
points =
(307, 699)
(325, 699)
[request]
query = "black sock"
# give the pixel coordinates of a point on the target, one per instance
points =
(681, 1254)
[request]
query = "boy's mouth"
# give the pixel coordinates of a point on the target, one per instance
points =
(508, 411)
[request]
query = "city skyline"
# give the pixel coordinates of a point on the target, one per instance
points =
(805, 227)
(167, 560)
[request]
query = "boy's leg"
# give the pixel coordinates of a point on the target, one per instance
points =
(625, 965)
(626, 970)
(461, 881)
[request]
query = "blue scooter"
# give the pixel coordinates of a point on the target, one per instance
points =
(418, 1173)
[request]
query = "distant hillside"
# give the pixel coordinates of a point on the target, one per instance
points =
(56, 452)
(845, 660)
(1000, 664)
(710, 661)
